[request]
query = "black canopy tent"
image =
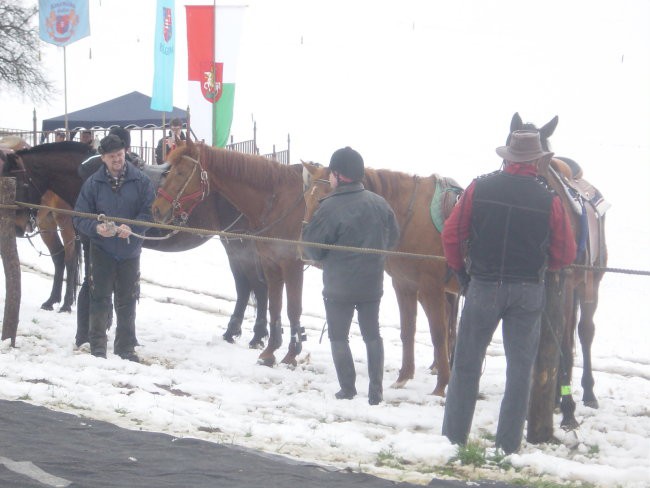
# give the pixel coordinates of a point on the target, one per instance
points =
(128, 111)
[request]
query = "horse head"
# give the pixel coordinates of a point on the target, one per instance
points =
(316, 187)
(545, 131)
(185, 185)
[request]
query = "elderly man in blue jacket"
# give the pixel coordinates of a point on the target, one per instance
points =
(119, 189)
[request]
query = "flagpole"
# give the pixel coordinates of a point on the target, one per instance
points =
(214, 72)
(65, 91)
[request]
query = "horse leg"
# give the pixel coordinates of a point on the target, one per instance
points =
(276, 285)
(260, 330)
(294, 281)
(50, 237)
(586, 332)
(434, 302)
(243, 288)
(408, 309)
(565, 372)
(71, 266)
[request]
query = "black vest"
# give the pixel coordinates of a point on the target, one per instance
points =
(509, 228)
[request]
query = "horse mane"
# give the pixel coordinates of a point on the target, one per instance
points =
(258, 171)
(65, 146)
(386, 182)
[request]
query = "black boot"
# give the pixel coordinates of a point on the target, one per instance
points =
(233, 330)
(83, 314)
(345, 372)
(375, 351)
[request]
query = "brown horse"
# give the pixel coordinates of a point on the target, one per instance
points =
(269, 194)
(580, 287)
(427, 281)
(54, 167)
(63, 248)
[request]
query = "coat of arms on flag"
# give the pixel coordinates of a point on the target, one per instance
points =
(62, 23)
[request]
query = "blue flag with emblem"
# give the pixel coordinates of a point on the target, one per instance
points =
(63, 22)
(162, 97)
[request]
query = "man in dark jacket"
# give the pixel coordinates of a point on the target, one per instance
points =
(168, 144)
(86, 170)
(119, 189)
(515, 227)
(352, 216)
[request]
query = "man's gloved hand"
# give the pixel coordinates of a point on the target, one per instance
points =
(463, 280)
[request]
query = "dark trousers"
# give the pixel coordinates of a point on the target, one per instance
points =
(83, 299)
(108, 276)
(339, 319)
(519, 306)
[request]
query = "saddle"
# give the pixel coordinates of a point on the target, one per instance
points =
(444, 199)
(588, 204)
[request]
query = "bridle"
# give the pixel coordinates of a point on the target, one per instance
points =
(183, 205)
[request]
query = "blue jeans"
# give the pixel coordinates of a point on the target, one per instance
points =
(519, 306)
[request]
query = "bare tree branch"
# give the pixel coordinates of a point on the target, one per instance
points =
(20, 67)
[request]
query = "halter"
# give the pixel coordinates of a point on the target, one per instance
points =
(183, 205)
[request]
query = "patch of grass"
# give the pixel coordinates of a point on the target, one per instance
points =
(472, 453)
(388, 458)
(25, 397)
(121, 411)
(593, 451)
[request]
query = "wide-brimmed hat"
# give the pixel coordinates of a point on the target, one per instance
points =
(525, 145)
(109, 144)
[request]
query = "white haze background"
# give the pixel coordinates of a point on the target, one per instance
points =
(415, 86)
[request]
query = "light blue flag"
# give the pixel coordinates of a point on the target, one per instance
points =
(162, 97)
(63, 22)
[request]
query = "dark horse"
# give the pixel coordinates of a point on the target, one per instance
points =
(270, 195)
(58, 234)
(54, 167)
(579, 288)
(427, 281)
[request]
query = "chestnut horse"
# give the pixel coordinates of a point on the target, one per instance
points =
(53, 167)
(63, 249)
(269, 194)
(579, 287)
(427, 281)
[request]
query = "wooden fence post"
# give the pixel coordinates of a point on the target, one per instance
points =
(10, 260)
(544, 389)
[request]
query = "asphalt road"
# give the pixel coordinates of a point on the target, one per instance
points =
(42, 448)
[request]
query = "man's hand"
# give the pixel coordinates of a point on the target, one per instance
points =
(463, 280)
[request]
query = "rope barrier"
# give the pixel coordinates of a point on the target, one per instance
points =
(237, 235)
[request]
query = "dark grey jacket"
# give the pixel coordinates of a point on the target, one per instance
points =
(131, 201)
(352, 216)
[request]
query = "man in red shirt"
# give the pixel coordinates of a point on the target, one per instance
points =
(514, 228)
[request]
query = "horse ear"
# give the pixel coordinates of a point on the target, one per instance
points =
(309, 166)
(547, 130)
(516, 123)
(192, 148)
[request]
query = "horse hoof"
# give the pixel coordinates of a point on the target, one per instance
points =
(47, 306)
(256, 343)
(591, 403)
(65, 308)
(269, 362)
(399, 384)
(438, 392)
(228, 338)
(289, 359)
(570, 424)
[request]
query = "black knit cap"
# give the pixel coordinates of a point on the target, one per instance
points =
(348, 163)
(110, 143)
